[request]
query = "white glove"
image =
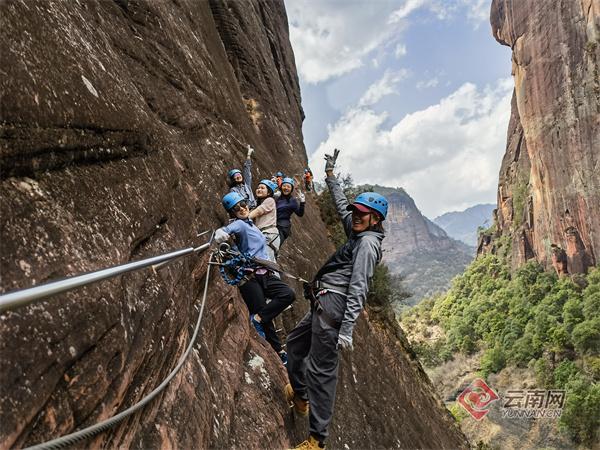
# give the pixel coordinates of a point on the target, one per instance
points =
(330, 160)
(344, 342)
(250, 151)
(220, 236)
(301, 197)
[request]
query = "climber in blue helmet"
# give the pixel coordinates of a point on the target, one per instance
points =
(337, 295)
(263, 283)
(265, 216)
(279, 176)
(242, 183)
(286, 206)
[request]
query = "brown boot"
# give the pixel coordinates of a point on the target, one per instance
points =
(299, 405)
(310, 444)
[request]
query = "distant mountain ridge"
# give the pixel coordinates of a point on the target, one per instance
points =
(462, 225)
(418, 249)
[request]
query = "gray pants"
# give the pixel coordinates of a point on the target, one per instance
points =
(273, 243)
(313, 366)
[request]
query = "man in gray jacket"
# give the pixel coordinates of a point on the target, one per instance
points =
(242, 184)
(337, 295)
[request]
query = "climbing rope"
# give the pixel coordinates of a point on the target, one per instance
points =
(90, 431)
(233, 266)
(236, 266)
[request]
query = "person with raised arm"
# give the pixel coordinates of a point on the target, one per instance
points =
(337, 295)
(242, 183)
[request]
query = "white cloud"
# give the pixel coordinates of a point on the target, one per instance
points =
(400, 51)
(478, 11)
(404, 11)
(331, 38)
(385, 86)
(446, 156)
(424, 84)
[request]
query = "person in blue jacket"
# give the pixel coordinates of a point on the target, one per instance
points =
(263, 283)
(242, 184)
(286, 206)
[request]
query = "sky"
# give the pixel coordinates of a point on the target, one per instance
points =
(415, 94)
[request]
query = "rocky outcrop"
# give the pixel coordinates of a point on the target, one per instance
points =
(118, 122)
(549, 190)
(418, 249)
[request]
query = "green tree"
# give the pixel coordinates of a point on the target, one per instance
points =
(493, 360)
(586, 336)
(580, 416)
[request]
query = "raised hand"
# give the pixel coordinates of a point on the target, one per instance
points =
(330, 160)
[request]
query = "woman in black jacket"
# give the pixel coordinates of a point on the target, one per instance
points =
(286, 206)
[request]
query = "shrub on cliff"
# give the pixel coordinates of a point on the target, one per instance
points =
(529, 318)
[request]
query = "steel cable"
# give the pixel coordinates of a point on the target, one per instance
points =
(90, 431)
(23, 297)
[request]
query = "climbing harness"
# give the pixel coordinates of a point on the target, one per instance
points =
(88, 432)
(233, 266)
(236, 266)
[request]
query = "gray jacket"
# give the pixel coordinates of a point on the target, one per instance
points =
(353, 264)
(245, 189)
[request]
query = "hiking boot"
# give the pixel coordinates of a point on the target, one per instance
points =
(299, 405)
(258, 326)
(310, 444)
(283, 356)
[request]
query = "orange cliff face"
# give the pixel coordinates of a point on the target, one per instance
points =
(549, 187)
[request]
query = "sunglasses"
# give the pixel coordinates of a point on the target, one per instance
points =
(239, 206)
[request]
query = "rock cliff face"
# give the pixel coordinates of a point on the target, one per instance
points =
(419, 249)
(118, 122)
(549, 190)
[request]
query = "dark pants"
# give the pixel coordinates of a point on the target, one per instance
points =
(284, 233)
(255, 292)
(313, 367)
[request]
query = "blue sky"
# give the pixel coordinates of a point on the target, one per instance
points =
(416, 93)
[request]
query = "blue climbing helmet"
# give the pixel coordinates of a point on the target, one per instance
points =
(279, 174)
(288, 180)
(232, 172)
(372, 201)
(269, 184)
(231, 199)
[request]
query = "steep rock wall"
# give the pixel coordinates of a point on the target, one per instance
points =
(549, 190)
(420, 250)
(118, 121)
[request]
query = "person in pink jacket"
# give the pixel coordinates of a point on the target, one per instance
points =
(264, 216)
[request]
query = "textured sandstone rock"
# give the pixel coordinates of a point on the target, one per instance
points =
(549, 190)
(118, 121)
